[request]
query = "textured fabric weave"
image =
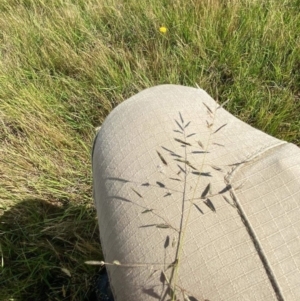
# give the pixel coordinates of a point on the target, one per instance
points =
(245, 246)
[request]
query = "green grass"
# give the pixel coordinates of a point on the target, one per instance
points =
(64, 65)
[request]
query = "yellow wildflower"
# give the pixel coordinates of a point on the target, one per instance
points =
(163, 29)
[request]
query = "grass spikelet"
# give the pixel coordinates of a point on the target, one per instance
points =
(210, 205)
(181, 128)
(218, 129)
(218, 144)
(181, 119)
(205, 191)
(190, 135)
(208, 124)
(216, 168)
(147, 211)
(187, 125)
(182, 142)
(199, 173)
(227, 188)
(228, 202)
(180, 169)
(199, 152)
(162, 158)
(137, 193)
(200, 144)
(163, 226)
(160, 184)
(198, 208)
(175, 179)
(208, 108)
(167, 242)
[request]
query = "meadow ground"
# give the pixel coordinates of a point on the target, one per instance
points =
(64, 65)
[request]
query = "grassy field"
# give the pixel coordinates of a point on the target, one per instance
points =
(64, 65)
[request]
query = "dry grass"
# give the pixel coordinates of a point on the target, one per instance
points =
(65, 65)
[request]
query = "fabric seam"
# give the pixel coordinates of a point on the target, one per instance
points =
(228, 180)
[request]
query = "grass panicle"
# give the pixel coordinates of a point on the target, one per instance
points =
(170, 287)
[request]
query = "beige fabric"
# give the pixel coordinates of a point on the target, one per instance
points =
(249, 250)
